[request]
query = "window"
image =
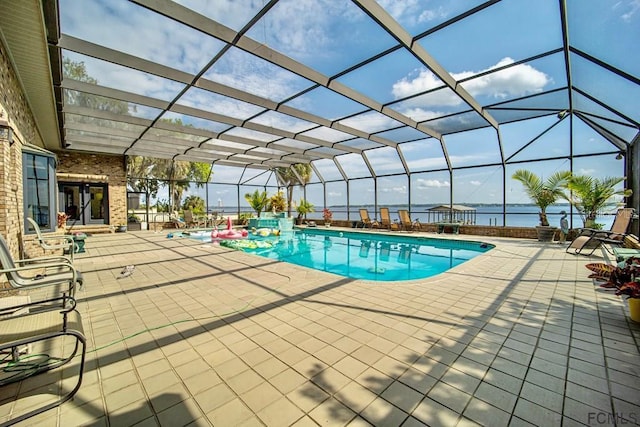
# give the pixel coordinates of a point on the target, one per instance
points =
(38, 171)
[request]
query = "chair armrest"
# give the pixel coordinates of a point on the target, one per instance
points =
(64, 265)
(45, 259)
(610, 235)
(610, 241)
(592, 232)
(67, 304)
(58, 242)
(66, 237)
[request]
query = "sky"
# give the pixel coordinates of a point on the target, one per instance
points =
(332, 36)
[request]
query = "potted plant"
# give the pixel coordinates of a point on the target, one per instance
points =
(258, 200)
(327, 215)
(590, 195)
(303, 208)
(624, 278)
(543, 194)
(62, 219)
(133, 222)
(277, 203)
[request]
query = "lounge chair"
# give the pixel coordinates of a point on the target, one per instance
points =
(405, 221)
(176, 220)
(366, 221)
(385, 220)
(54, 243)
(39, 272)
(193, 221)
(43, 327)
(591, 239)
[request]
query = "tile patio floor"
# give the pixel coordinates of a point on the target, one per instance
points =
(201, 335)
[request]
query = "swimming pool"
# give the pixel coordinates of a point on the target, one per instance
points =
(368, 256)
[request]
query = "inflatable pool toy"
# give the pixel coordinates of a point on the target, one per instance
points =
(265, 232)
(246, 244)
(229, 233)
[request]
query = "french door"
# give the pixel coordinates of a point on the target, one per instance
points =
(84, 203)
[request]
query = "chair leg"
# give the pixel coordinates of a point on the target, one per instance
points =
(80, 341)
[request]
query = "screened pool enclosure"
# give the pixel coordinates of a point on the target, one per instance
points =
(407, 105)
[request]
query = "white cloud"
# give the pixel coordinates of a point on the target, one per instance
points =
(370, 122)
(255, 75)
(304, 28)
(208, 101)
(334, 194)
(232, 13)
(327, 134)
(398, 189)
(282, 121)
(412, 12)
(518, 80)
(422, 163)
(424, 80)
(475, 183)
(160, 39)
(471, 159)
(431, 183)
(420, 114)
(583, 171)
(633, 8)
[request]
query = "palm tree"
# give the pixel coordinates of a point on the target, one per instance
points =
(590, 195)
(303, 208)
(297, 174)
(257, 200)
(543, 193)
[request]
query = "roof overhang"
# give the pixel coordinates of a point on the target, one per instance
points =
(23, 33)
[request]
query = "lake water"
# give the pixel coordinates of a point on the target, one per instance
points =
(516, 215)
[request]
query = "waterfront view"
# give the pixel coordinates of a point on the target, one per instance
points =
(517, 215)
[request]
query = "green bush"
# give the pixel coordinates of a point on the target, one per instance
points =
(194, 204)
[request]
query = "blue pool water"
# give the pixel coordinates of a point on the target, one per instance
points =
(368, 256)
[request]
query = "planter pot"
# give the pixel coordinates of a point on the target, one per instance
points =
(546, 233)
(634, 309)
(134, 226)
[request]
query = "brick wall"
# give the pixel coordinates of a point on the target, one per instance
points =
(111, 167)
(16, 112)
(474, 230)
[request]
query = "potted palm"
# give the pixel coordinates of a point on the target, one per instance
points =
(258, 200)
(277, 203)
(591, 195)
(543, 193)
(303, 208)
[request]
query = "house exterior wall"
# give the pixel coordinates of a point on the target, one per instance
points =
(15, 111)
(88, 166)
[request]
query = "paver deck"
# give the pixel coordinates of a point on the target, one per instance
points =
(202, 335)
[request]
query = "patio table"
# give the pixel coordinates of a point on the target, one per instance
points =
(623, 253)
